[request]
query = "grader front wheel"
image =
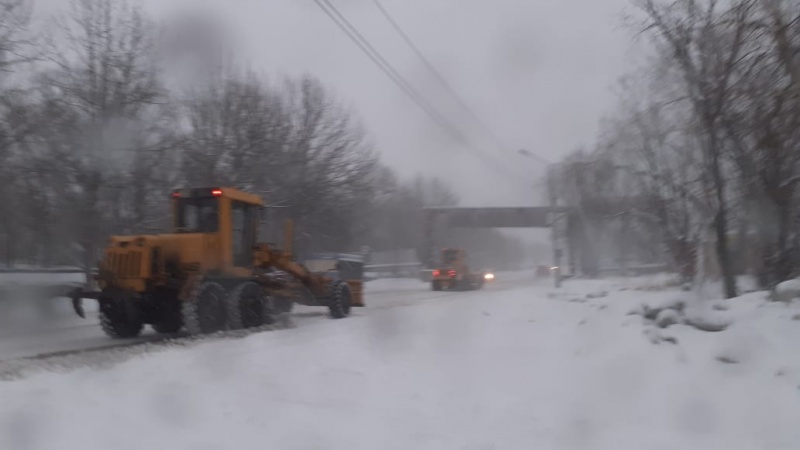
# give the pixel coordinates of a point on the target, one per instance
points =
(119, 327)
(340, 301)
(118, 317)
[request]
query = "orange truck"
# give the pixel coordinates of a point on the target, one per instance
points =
(453, 273)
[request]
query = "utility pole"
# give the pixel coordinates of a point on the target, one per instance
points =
(555, 269)
(551, 191)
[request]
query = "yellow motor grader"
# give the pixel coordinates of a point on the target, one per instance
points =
(210, 274)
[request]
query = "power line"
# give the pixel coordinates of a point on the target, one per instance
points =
(352, 32)
(436, 73)
(365, 46)
(443, 81)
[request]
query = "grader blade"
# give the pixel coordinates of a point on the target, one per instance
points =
(77, 295)
(77, 305)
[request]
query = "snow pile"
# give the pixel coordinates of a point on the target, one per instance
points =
(502, 368)
(679, 310)
(787, 291)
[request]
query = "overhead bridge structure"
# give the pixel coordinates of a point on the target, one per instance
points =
(566, 224)
(527, 217)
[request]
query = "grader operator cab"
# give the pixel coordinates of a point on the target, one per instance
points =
(209, 274)
(453, 273)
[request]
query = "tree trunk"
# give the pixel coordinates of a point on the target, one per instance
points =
(723, 254)
(783, 259)
(684, 255)
(726, 266)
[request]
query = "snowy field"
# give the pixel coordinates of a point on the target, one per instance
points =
(518, 365)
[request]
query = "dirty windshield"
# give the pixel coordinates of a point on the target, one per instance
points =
(400, 224)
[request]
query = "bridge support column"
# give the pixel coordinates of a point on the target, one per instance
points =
(429, 238)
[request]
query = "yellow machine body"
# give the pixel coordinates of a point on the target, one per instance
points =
(213, 241)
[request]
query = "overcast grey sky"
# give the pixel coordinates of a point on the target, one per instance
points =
(539, 72)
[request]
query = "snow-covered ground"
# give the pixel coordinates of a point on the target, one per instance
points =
(518, 365)
(41, 278)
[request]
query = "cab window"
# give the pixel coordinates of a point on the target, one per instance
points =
(198, 215)
(243, 221)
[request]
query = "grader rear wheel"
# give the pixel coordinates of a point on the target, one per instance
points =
(204, 312)
(248, 306)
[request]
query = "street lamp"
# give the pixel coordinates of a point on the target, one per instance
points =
(553, 199)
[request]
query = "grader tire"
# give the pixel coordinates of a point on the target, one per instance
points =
(118, 326)
(169, 325)
(340, 301)
(283, 305)
(248, 306)
(205, 312)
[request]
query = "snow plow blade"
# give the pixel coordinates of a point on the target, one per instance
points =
(77, 295)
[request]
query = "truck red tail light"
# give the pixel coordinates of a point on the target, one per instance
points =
(436, 273)
(451, 273)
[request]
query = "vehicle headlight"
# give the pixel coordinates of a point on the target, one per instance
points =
(488, 276)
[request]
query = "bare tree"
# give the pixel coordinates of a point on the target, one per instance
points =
(326, 163)
(295, 145)
(103, 85)
(707, 43)
(15, 40)
(783, 22)
(16, 48)
(760, 126)
(656, 158)
(238, 129)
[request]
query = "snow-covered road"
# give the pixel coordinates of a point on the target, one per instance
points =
(32, 337)
(515, 366)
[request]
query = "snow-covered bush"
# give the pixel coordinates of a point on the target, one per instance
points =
(680, 311)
